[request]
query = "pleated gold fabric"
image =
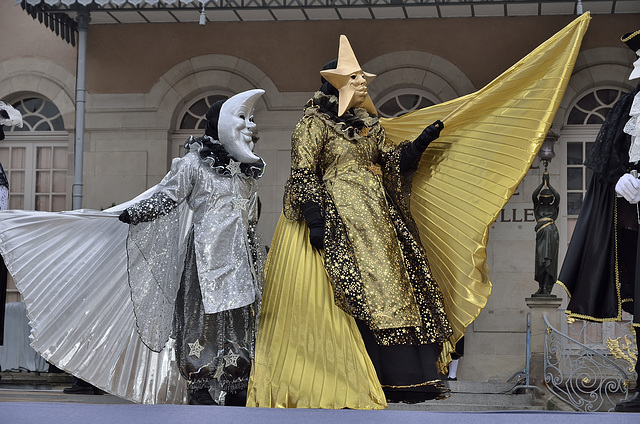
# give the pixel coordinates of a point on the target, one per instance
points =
(309, 353)
(466, 176)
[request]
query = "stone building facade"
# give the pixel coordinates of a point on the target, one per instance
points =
(149, 85)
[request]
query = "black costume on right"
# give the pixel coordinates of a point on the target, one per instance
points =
(599, 270)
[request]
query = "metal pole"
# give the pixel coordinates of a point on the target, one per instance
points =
(528, 349)
(527, 388)
(83, 19)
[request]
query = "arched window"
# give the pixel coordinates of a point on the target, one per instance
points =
(35, 157)
(400, 102)
(192, 121)
(38, 115)
(195, 117)
(582, 125)
(594, 106)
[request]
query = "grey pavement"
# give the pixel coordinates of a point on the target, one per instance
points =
(24, 395)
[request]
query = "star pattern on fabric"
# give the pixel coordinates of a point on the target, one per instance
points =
(231, 359)
(234, 167)
(196, 348)
(240, 204)
(219, 372)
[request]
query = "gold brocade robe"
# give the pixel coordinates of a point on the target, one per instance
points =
(373, 255)
(309, 351)
(353, 179)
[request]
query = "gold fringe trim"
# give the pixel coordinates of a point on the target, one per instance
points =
(439, 384)
(590, 318)
(633, 34)
(561, 284)
(617, 278)
(436, 383)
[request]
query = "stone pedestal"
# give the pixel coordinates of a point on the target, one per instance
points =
(540, 305)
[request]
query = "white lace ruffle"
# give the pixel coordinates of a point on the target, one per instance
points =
(4, 198)
(632, 128)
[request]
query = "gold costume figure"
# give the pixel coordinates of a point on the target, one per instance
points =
(309, 352)
(349, 173)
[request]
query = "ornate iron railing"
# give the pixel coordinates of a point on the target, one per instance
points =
(588, 379)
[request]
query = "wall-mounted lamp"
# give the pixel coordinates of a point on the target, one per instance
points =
(546, 152)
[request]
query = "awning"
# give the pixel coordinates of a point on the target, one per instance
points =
(60, 15)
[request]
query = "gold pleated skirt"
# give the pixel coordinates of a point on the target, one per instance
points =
(309, 353)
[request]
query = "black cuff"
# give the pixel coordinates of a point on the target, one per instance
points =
(408, 157)
(312, 213)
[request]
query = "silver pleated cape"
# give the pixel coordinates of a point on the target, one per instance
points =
(73, 269)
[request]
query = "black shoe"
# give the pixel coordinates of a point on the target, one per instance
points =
(80, 387)
(629, 405)
(78, 390)
(201, 397)
(238, 398)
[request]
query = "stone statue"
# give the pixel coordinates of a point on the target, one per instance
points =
(546, 204)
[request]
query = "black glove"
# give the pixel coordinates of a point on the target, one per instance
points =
(412, 153)
(124, 217)
(315, 221)
(429, 134)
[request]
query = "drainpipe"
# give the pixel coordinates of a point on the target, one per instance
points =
(82, 19)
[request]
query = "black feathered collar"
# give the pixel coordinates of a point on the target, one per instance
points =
(214, 154)
(351, 123)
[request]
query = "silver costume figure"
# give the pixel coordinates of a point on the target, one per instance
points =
(216, 301)
(157, 310)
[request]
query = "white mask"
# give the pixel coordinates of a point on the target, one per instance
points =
(236, 126)
(636, 68)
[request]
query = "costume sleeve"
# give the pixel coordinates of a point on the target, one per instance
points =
(397, 183)
(305, 182)
(391, 156)
(172, 190)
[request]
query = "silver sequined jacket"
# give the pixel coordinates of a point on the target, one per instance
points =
(219, 204)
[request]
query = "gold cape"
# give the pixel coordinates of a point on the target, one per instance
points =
(309, 353)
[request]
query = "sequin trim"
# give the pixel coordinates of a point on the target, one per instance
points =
(152, 208)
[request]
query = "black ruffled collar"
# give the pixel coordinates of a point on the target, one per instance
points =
(215, 155)
(351, 123)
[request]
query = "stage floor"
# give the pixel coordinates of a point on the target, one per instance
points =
(52, 406)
